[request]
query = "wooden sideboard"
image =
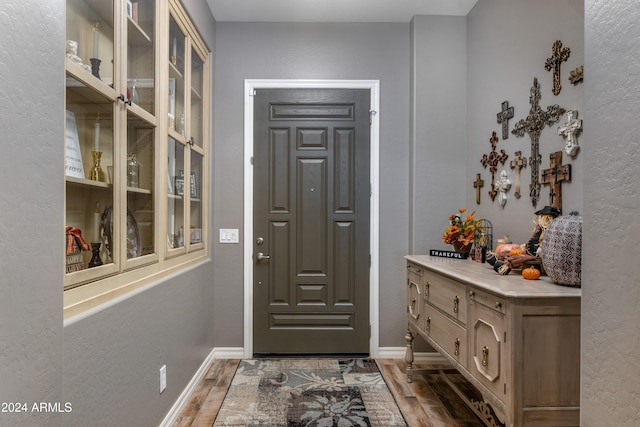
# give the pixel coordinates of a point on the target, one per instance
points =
(516, 341)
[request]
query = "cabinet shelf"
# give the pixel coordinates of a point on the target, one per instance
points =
(138, 190)
(87, 182)
(137, 36)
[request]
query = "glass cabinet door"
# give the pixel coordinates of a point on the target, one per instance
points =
(140, 180)
(141, 54)
(89, 159)
(90, 37)
(177, 40)
(196, 116)
(176, 194)
(196, 214)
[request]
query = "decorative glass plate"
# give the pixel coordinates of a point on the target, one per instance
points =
(134, 244)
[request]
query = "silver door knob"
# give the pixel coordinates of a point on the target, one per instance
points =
(261, 257)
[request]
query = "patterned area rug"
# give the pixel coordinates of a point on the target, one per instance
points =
(309, 392)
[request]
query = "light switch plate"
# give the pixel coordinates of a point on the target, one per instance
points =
(229, 235)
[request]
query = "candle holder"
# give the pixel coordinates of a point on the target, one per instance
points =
(95, 258)
(96, 171)
(95, 67)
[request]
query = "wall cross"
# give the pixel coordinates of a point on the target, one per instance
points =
(569, 130)
(503, 118)
(518, 163)
(558, 56)
(533, 124)
(554, 177)
(492, 160)
(478, 184)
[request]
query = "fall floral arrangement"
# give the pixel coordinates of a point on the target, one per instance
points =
(461, 229)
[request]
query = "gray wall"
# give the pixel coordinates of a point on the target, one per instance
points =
(105, 363)
(312, 51)
(438, 115)
(31, 206)
(610, 288)
(509, 41)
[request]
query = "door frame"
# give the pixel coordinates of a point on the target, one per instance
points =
(250, 85)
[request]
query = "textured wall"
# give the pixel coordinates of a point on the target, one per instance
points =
(312, 51)
(31, 206)
(508, 44)
(105, 365)
(611, 288)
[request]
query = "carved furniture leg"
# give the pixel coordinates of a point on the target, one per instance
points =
(409, 355)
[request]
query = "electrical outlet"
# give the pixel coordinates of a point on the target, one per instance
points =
(163, 378)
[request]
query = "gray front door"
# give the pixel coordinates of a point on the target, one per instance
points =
(311, 221)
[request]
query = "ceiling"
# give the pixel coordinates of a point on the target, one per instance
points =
(334, 10)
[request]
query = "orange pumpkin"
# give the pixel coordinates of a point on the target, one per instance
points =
(531, 273)
(516, 251)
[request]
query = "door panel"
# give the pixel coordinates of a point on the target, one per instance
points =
(311, 211)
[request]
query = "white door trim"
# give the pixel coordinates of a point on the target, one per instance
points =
(249, 86)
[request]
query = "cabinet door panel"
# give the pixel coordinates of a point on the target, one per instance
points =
(488, 352)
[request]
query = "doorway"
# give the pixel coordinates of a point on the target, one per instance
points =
(310, 288)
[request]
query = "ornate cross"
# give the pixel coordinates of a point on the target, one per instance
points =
(518, 163)
(554, 176)
(503, 118)
(492, 160)
(533, 125)
(478, 184)
(558, 56)
(569, 130)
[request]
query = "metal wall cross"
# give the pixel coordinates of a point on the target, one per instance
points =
(569, 130)
(478, 184)
(558, 56)
(492, 160)
(554, 177)
(533, 124)
(518, 163)
(503, 118)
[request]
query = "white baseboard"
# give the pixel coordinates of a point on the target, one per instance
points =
(238, 353)
(175, 410)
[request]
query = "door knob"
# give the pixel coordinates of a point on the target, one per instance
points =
(261, 257)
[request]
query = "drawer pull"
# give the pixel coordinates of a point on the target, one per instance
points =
(498, 305)
(426, 289)
(472, 294)
(456, 301)
(413, 304)
(485, 356)
(456, 350)
(429, 323)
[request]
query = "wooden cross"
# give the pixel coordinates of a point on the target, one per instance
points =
(503, 118)
(478, 184)
(518, 163)
(558, 56)
(554, 176)
(492, 160)
(569, 130)
(533, 125)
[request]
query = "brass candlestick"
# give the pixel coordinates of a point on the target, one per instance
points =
(96, 171)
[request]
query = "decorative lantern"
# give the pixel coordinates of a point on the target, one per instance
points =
(562, 250)
(484, 235)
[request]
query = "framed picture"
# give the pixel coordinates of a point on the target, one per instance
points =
(180, 183)
(193, 187)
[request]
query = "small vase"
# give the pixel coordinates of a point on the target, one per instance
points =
(460, 247)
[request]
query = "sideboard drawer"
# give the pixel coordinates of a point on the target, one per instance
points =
(448, 334)
(488, 299)
(446, 294)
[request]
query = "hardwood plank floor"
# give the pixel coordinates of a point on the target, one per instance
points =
(426, 402)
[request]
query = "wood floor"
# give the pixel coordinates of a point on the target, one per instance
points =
(426, 402)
